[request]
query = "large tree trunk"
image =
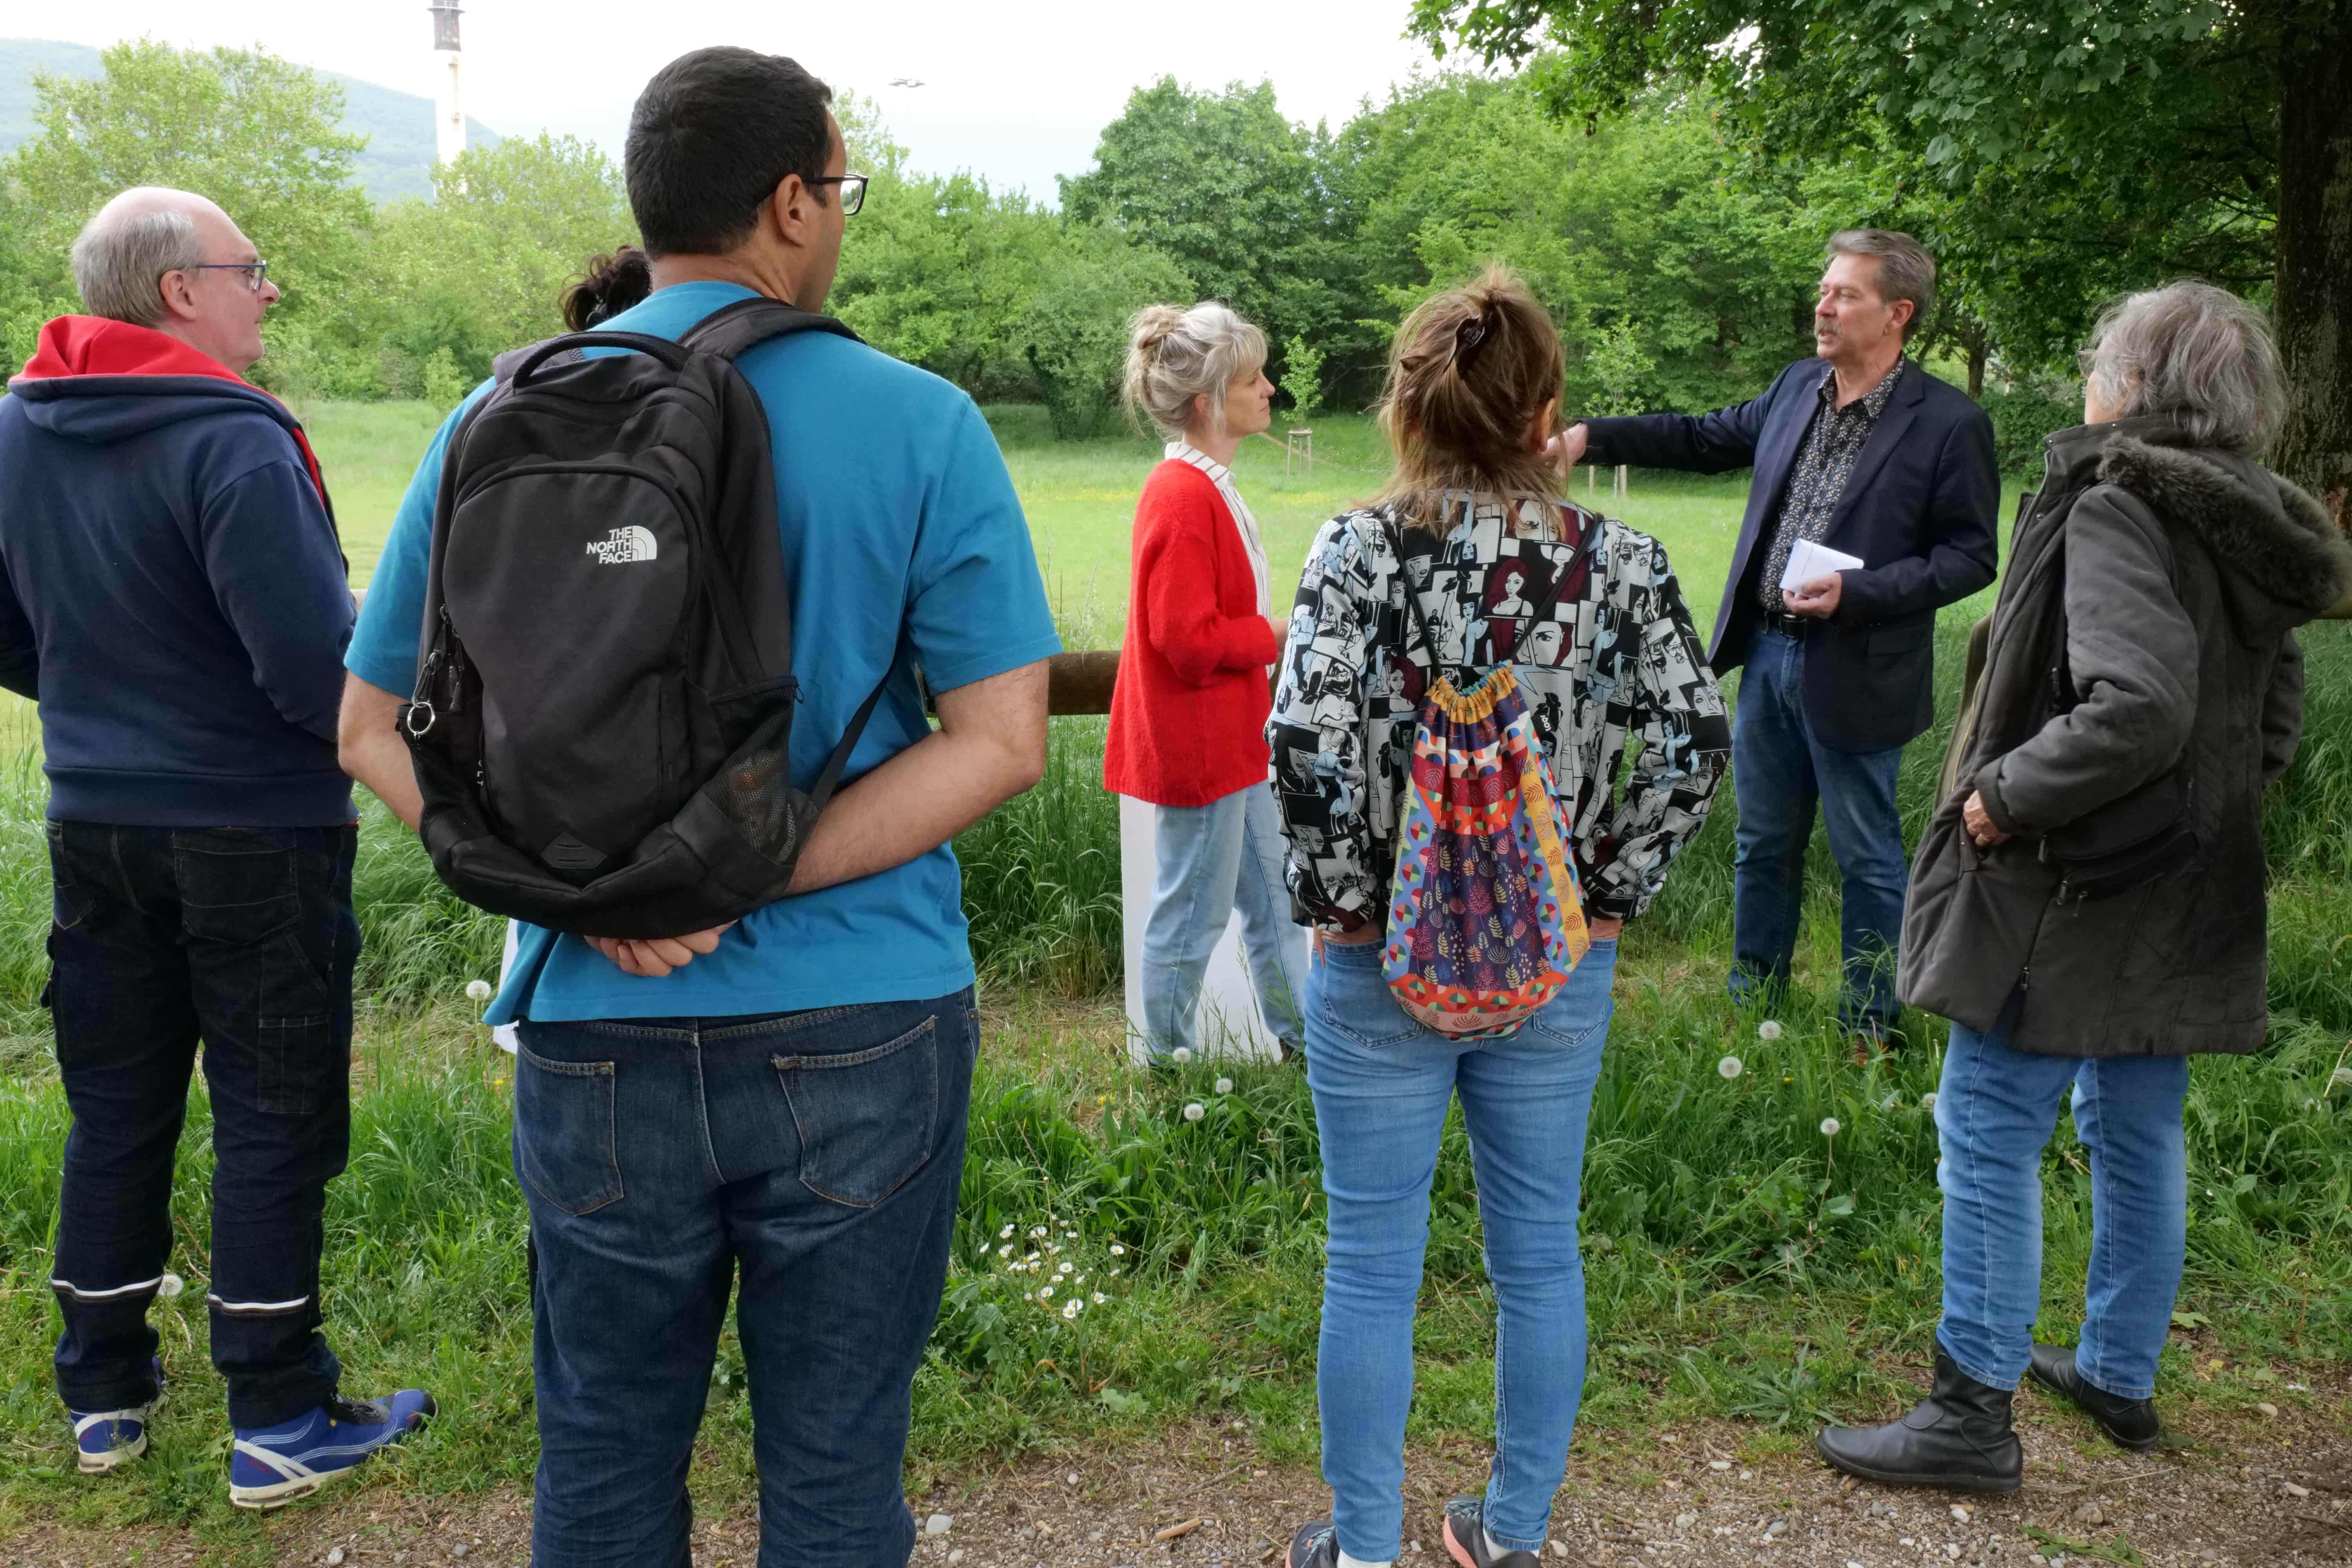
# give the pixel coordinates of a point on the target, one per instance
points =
(2315, 265)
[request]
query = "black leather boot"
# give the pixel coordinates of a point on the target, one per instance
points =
(1959, 1435)
(2131, 1421)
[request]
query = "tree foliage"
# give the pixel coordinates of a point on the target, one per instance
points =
(258, 135)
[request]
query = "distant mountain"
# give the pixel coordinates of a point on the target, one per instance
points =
(398, 161)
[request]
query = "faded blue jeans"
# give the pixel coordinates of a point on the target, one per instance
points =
(1213, 860)
(1781, 772)
(1994, 1113)
(814, 1156)
(1381, 1085)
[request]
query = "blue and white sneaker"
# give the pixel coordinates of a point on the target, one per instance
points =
(106, 1440)
(271, 1466)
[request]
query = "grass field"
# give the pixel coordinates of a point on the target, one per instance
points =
(1739, 1263)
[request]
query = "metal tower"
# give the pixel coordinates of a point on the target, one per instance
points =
(448, 108)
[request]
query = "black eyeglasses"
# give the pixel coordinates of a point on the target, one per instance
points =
(853, 191)
(255, 271)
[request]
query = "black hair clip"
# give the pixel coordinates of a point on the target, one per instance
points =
(1468, 336)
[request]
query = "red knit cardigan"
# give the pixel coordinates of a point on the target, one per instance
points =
(1188, 715)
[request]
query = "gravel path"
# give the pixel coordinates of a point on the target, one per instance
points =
(2244, 1489)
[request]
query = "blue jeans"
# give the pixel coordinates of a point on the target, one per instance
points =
(1779, 771)
(817, 1153)
(1994, 1111)
(242, 937)
(1381, 1084)
(1213, 860)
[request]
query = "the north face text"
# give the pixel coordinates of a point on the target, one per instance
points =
(631, 543)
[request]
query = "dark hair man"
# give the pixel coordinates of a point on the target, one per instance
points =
(1873, 458)
(784, 1099)
(173, 595)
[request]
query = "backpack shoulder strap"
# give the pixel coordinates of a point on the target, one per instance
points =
(732, 331)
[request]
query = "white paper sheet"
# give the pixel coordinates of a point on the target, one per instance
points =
(1809, 561)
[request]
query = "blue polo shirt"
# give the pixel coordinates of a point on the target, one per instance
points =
(896, 516)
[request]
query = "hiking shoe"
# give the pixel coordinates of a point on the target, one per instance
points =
(2130, 1422)
(272, 1465)
(1465, 1537)
(1317, 1545)
(106, 1440)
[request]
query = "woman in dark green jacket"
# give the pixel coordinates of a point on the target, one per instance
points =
(2087, 905)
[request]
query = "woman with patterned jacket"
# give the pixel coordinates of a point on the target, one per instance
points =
(1475, 528)
(1188, 715)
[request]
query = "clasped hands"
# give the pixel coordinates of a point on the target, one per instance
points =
(652, 958)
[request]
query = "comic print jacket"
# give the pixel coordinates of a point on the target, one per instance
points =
(1614, 659)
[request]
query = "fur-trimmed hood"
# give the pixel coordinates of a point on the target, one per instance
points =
(2269, 538)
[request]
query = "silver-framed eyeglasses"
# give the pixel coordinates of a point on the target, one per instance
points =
(256, 272)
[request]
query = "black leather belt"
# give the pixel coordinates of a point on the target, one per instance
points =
(1787, 626)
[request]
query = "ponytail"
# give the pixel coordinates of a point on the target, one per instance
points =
(612, 284)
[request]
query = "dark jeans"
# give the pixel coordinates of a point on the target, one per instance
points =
(243, 938)
(819, 1154)
(1781, 770)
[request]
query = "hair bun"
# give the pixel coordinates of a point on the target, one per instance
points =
(1152, 326)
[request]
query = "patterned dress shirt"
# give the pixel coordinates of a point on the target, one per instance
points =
(1832, 442)
(1606, 659)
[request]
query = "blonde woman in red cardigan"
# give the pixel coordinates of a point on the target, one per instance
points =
(1188, 717)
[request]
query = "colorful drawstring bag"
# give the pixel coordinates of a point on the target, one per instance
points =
(1485, 918)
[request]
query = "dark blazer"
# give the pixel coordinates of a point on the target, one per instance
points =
(1918, 508)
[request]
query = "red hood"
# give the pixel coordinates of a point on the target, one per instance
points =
(95, 345)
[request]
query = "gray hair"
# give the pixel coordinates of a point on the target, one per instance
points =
(2197, 356)
(121, 256)
(1905, 270)
(1174, 356)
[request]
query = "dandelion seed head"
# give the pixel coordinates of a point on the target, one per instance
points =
(1831, 1127)
(1183, 1053)
(477, 990)
(1928, 1100)
(1194, 1112)
(1769, 1029)
(1225, 1085)
(1730, 1066)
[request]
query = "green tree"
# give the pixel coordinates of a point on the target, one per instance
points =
(1073, 330)
(258, 135)
(2142, 137)
(1234, 193)
(1302, 381)
(482, 267)
(1650, 219)
(937, 272)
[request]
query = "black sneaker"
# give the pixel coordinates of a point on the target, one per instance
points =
(1465, 1537)
(1317, 1545)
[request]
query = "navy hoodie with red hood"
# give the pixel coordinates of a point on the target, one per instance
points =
(172, 589)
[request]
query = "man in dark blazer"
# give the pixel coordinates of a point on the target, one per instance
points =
(1859, 451)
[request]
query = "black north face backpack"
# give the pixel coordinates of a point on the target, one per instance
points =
(602, 709)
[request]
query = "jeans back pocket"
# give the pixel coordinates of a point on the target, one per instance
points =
(565, 1149)
(867, 1118)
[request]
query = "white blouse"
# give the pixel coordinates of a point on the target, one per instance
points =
(1255, 548)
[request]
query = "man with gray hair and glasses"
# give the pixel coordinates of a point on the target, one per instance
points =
(1873, 459)
(173, 595)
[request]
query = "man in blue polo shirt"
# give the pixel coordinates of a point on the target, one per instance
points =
(786, 1096)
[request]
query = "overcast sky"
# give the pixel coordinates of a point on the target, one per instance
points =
(1015, 92)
